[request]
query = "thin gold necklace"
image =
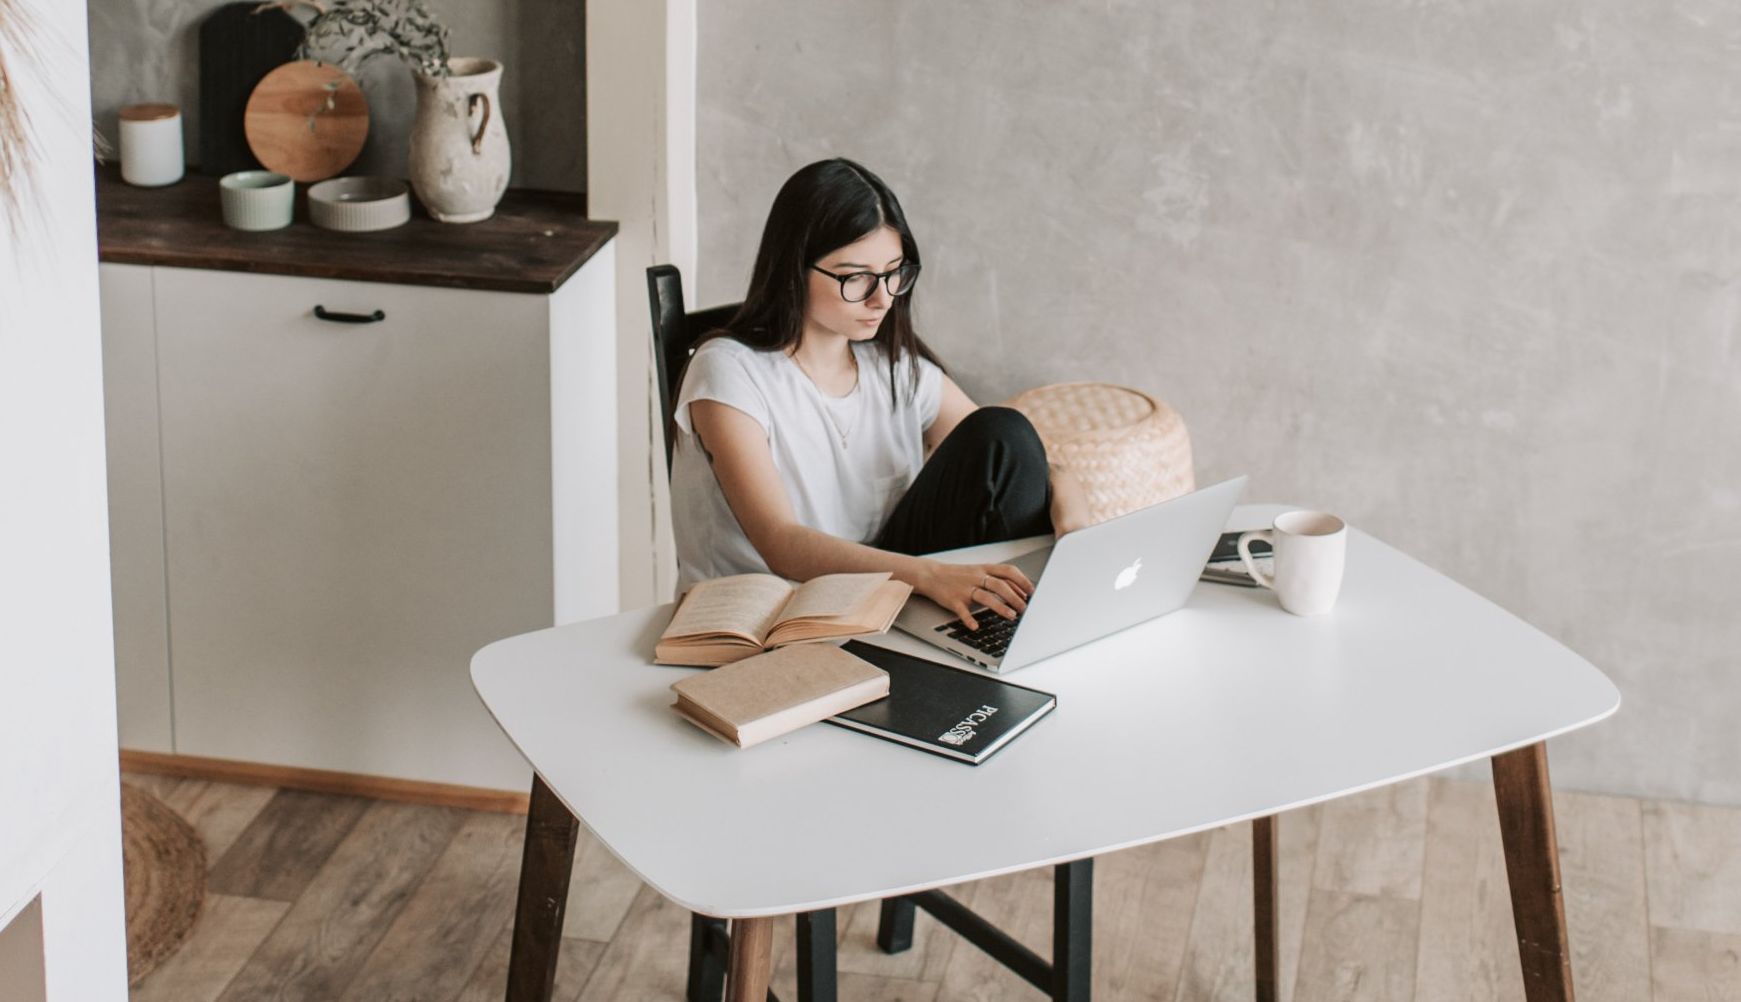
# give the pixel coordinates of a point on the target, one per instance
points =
(827, 407)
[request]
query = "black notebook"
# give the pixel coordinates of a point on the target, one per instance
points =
(947, 711)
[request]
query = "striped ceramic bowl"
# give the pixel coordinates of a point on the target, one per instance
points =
(359, 204)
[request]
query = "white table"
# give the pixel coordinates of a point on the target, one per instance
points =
(1226, 710)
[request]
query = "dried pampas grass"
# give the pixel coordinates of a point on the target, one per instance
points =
(17, 35)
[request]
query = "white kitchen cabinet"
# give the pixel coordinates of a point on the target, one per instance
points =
(142, 683)
(348, 511)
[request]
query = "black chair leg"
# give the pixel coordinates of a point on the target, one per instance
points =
(1072, 930)
(706, 959)
(816, 961)
(895, 925)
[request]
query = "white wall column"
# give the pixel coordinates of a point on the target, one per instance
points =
(640, 65)
(60, 814)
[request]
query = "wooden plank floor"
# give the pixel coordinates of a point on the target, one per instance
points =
(1392, 895)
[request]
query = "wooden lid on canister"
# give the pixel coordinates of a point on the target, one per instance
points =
(148, 112)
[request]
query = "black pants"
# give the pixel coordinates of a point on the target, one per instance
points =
(987, 482)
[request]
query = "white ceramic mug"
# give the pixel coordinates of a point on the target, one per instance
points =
(1310, 548)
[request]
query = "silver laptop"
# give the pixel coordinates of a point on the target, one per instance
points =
(1092, 582)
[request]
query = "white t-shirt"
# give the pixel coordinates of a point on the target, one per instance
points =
(846, 489)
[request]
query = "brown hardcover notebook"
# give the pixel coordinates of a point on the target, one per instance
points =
(772, 694)
(728, 619)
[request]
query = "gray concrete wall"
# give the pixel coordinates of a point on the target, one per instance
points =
(1463, 272)
(148, 50)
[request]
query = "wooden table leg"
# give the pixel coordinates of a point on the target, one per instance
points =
(1263, 907)
(1532, 865)
(546, 862)
(752, 960)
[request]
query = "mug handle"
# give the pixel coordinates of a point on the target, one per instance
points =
(1245, 541)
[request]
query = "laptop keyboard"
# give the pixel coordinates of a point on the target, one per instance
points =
(992, 637)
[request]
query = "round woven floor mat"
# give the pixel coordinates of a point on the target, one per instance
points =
(165, 865)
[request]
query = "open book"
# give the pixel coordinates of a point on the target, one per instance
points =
(728, 619)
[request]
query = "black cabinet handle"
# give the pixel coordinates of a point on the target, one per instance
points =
(322, 313)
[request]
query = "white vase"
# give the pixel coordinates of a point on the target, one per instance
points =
(459, 146)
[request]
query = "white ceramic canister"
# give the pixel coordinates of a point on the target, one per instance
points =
(151, 145)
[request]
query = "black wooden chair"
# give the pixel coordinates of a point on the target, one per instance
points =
(674, 335)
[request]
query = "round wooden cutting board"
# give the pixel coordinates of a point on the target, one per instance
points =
(307, 120)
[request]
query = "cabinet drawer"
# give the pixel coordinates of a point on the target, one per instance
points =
(351, 510)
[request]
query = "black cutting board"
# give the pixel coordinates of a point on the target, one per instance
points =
(236, 48)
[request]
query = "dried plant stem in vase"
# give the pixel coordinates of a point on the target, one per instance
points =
(16, 136)
(350, 33)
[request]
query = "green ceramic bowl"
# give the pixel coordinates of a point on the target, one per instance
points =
(257, 199)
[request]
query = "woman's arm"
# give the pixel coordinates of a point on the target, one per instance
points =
(744, 466)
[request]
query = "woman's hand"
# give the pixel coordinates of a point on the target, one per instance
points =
(957, 587)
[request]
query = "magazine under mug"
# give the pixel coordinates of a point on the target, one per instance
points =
(1225, 566)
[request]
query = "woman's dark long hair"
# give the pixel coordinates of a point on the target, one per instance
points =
(820, 209)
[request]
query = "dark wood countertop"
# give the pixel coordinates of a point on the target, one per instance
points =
(533, 243)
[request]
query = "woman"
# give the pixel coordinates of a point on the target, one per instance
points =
(817, 434)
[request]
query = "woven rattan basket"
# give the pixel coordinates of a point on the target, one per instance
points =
(1128, 449)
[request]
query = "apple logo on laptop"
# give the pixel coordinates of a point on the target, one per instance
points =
(1127, 577)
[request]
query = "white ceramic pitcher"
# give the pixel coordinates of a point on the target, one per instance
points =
(459, 145)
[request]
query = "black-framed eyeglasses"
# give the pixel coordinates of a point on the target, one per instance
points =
(857, 286)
